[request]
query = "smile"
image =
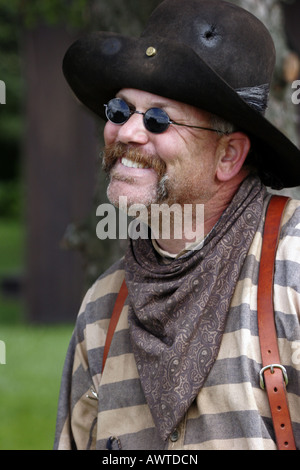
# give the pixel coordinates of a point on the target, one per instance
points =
(131, 164)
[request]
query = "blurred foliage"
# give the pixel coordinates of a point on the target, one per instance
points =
(11, 272)
(70, 12)
(11, 121)
(11, 240)
(28, 14)
(10, 199)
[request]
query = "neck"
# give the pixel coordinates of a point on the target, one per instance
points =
(205, 214)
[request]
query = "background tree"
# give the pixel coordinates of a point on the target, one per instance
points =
(277, 15)
(281, 110)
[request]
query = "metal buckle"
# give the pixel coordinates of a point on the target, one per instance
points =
(94, 394)
(272, 366)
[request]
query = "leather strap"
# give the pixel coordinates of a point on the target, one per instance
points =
(123, 292)
(272, 374)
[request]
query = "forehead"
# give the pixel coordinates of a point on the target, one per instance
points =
(146, 100)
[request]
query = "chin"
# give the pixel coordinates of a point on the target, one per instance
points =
(118, 192)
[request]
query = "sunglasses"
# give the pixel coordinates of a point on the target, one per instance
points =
(156, 120)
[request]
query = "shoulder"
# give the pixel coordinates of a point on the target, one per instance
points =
(105, 289)
(97, 305)
(291, 217)
(287, 267)
(289, 242)
(94, 317)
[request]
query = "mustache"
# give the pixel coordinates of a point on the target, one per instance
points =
(111, 153)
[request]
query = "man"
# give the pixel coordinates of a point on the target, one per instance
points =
(184, 106)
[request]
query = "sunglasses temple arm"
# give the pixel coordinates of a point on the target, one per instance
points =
(198, 127)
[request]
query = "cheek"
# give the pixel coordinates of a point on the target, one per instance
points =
(191, 165)
(169, 150)
(110, 133)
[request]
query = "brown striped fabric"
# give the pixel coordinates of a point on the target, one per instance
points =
(231, 411)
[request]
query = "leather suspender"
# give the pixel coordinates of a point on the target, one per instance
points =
(273, 375)
(114, 320)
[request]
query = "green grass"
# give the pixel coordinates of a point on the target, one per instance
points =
(29, 385)
(30, 378)
(11, 246)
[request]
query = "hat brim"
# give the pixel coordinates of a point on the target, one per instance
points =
(98, 65)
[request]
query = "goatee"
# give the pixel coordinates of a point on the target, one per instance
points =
(113, 152)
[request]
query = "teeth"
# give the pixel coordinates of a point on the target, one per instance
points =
(131, 164)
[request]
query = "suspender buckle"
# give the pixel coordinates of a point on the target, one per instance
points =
(271, 367)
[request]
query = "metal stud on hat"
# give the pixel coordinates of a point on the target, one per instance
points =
(151, 51)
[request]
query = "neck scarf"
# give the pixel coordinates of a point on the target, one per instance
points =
(177, 311)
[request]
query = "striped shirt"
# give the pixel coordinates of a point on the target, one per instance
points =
(231, 411)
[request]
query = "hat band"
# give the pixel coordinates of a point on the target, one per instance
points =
(257, 96)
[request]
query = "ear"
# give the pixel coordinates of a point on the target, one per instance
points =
(233, 152)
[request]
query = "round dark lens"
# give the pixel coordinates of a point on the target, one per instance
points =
(156, 120)
(117, 111)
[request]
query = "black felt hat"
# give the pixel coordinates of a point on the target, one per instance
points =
(199, 52)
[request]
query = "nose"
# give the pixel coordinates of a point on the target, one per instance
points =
(133, 131)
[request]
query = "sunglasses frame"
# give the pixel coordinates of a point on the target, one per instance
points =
(168, 122)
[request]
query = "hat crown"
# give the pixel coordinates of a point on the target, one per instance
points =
(228, 38)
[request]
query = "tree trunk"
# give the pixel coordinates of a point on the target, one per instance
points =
(59, 158)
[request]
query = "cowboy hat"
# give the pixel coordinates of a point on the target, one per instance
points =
(200, 52)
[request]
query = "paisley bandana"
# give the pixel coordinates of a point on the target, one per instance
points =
(178, 310)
